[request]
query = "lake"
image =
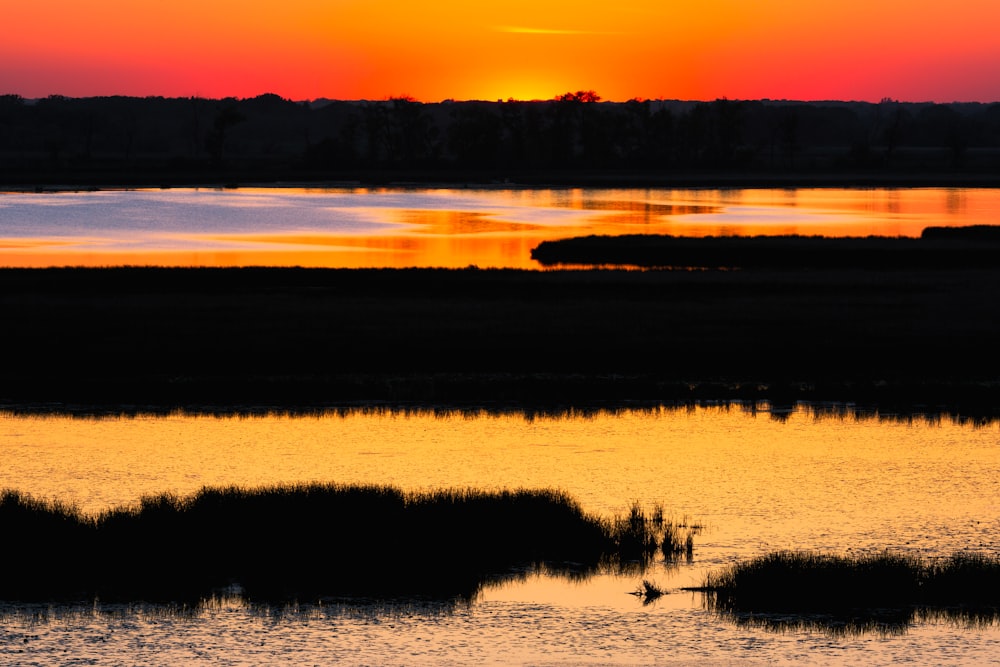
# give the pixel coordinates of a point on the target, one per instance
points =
(815, 477)
(426, 227)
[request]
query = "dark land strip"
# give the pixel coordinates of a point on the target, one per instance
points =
(301, 339)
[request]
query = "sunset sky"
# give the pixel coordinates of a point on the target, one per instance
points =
(911, 50)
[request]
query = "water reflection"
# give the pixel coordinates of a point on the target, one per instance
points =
(884, 622)
(489, 634)
(351, 607)
(357, 227)
(28, 623)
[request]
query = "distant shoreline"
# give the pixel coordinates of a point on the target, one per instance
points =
(491, 180)
(572, 141)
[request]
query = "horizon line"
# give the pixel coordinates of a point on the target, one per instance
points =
(449, 100)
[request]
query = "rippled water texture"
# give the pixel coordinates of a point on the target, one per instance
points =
(758, 480)
(434, 227)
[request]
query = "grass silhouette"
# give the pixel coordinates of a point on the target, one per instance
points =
(804, 582)
(307, 541)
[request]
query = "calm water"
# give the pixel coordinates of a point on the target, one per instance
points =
(758, 482)
(434, 227)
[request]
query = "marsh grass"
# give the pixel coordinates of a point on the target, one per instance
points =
(862, 587)
(37, 537)
(308, 541)
(678, 538)
(641, 534)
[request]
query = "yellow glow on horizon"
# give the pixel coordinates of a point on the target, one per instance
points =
(525, 87)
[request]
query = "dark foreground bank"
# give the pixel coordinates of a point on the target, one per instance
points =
(148, 338)
(309, 541)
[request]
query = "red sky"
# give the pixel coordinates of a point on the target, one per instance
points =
(911, 50)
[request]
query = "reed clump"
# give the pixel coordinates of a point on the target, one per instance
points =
(678, 538)
(641, 534)
(806, 582)
(649, 591)
(306, 541)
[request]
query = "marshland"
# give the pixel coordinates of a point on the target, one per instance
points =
(838, 411)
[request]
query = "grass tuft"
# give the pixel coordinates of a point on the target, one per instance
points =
(649, 591)
(639, 535)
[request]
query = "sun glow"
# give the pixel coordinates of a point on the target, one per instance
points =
(518, 87)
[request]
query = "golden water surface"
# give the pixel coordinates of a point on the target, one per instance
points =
(758, 480)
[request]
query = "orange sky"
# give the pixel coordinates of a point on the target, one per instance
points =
(911, 50)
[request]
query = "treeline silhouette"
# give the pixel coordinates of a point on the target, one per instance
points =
(154, 140)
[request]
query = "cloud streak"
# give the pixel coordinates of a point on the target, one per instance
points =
(524, 30)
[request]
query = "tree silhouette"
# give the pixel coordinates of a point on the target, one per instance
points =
(474, 135)
(892, 114)
(728, 120)
(226, 118)
(579, 96)
(788, 134)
